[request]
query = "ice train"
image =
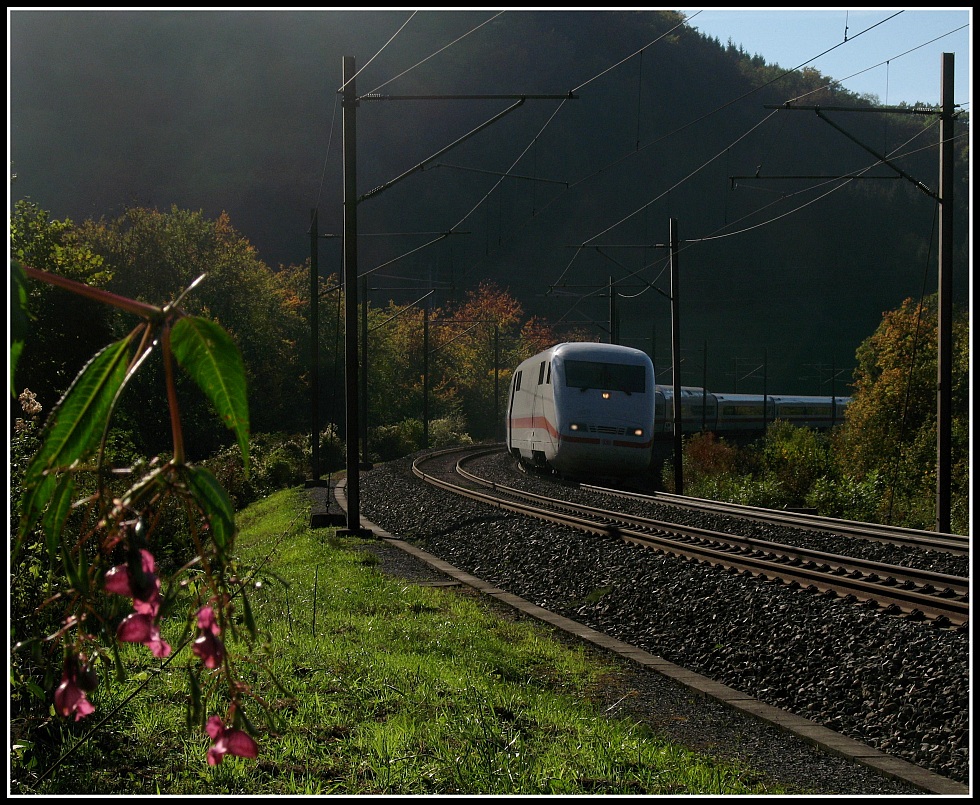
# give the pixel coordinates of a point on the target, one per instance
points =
(595, 409)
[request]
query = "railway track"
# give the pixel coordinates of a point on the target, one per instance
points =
(898, 590)
(893, 535)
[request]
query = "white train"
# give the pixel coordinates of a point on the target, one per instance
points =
(594, 409)
(736, 414)
(583, 408)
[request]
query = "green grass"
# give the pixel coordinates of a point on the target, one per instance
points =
(384, 688)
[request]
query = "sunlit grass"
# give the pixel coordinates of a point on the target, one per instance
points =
(386, 688)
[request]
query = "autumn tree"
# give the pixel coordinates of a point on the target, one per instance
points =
(449, 363)
(153, 254)
(890, 425)
(396, 364)
(471, 337)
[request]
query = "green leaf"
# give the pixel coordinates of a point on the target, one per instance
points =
(194, 702)
(208, 354)
(72, 571)
(73, 427)
(215, 503)
(118, 664)
(249, 618)
(53, 521)
(18, 318)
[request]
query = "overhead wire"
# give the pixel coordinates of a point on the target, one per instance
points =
(475, 207)
(874, 66)
(689, 242)
(726, 104)
(529, 145)
(364, 66)
(548, 122)
(404, 72)
(334, 118)
(506, 173)
(431, 55)
(664, 193)
(703, 117)
(678, 183)
(570, 186)
(326, 158)
(634, 53)
(894, 153)
(660, 139)
(535, 138)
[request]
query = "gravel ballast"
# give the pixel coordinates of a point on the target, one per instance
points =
(899, 686)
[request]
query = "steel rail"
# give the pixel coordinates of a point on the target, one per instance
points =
(849, 582)
(951, 543)
(836, 563)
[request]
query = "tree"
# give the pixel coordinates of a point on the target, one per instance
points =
(472, 335)
(473, 348)
(154, 255)
(485, 338)
(64, 329)
(890, 424)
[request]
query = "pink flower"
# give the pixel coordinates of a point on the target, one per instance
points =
(139, 628)
(208, 645)
(69, 697)
(228, 741)
(142, 585)
(207, 621)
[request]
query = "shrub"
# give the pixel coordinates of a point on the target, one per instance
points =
(333, 449)
(389, 442)
(705, 456)
(448, 432)
(796, 458)
(710, 465)
(287, 464)
(276, 461)
(848, 498)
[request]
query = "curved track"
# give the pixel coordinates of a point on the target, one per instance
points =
(930, 540)
(908, 592)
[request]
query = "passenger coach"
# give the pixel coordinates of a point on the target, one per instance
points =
(583, 409)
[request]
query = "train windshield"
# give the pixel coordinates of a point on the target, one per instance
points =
(613, 376)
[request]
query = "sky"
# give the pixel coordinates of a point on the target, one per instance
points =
(892, 53)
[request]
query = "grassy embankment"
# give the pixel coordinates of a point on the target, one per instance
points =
(387, 687)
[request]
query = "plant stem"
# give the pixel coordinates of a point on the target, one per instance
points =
(97, 294)
(168, 368)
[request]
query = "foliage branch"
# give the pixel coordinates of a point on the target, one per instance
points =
(109, 558)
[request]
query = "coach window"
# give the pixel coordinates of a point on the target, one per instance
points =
(517, 381)
(548, 381)
(541, 373)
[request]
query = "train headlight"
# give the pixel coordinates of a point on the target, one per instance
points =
(575, 426)
(637, 431)
(606, 395)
